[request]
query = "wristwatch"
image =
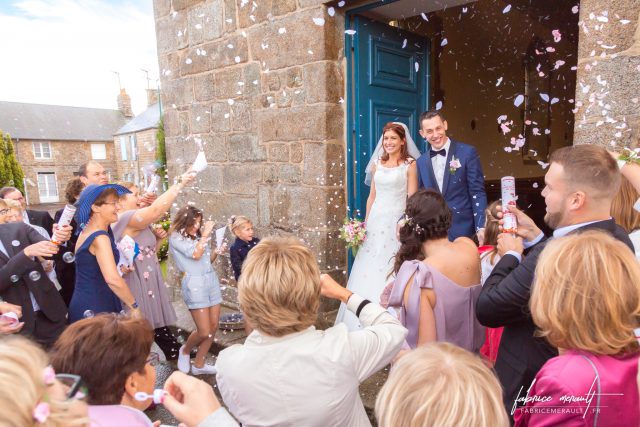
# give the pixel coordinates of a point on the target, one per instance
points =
(135, 304)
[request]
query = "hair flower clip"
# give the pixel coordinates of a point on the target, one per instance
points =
(41, 412)
(48, 375)
(405, 220)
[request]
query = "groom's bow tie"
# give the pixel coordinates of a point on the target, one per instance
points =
(442, 152)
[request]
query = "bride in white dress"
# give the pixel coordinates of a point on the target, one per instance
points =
(393, 177)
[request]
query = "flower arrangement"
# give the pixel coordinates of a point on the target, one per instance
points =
(354, 233)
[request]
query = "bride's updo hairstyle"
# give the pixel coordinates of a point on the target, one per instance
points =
(427, 217)
(399, 129)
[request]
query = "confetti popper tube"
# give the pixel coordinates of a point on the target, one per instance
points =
(508, 189)
(65, 219)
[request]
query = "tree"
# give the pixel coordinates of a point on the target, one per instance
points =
(161, 155)
(10, 171)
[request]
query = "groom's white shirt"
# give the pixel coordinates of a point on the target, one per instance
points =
(439, 164)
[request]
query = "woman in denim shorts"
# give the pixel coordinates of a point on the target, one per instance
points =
(189, 246)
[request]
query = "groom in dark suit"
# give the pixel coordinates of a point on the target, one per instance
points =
(453, 169)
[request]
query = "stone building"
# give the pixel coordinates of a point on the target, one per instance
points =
(52, 141)
(288, 97)
(135, 144)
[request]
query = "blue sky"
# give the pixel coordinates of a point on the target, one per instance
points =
(65, 51)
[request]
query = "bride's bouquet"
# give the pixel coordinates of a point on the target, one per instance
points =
(354, 233)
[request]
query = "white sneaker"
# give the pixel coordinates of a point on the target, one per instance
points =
(205, 370)
(184, 361)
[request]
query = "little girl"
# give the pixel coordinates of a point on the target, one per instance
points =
(488, 259)
(242, 228)
(189, 246)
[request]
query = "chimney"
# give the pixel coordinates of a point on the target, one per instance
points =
(152, 97)
(124, 104)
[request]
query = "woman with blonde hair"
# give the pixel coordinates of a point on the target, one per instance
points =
(586, 302)
(287, 372)
(440, 384)
(31, 394)
(623, 212)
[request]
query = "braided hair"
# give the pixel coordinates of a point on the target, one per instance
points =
(427, 217)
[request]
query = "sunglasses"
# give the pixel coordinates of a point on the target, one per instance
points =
(76, 387)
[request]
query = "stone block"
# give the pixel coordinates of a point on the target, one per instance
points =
(301, 43)
(612, 33)
(245, 148)
(284, 98)
(227, 83)
(251, 13)
(183, 121)
(242, 179)
(323, 164)
(221, 206)
(294, 206)
(193, 61)
(161, 8)
(278, 152)
(316, 123)
(210, 179)
(289, 173)
(241, 116)
(215, 147)
(169, 66)
(220, 117)
(200, 119)
(614, 83)
(171, 32)
(204, 87)
(178, 92)
(270, 174)
(294, 77)
(624, 133)
(252, 79)
(296, 152)
(223, 52)
(323, 82)
(311, 3)
(271, 80)
(171, 123)
(328, 248)
(184, 4)
(205, 22)
(230, 23)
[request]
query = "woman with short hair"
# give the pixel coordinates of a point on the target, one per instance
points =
(440, 384)
(586, 302)
(287, 372)
(112, 354)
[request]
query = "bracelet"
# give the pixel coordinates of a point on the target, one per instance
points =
(361, 306)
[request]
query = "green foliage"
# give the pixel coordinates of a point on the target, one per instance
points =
(163, 251)
(10, 171)
(161, 154)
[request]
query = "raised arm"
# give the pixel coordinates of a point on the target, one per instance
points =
(146, 216)
(101, 247)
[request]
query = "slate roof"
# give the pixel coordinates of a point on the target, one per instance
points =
(55, 122)
(148, 119)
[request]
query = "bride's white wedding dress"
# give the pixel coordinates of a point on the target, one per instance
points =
(374, 261)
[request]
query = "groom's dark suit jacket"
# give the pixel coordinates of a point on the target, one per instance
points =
(463, 189)
(504, 301)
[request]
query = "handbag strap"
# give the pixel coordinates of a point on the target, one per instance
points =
(595, 370)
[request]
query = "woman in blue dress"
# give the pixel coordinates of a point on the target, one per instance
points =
(189, 244)
(99, 287)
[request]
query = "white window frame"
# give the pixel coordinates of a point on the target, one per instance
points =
(123, 148)
(133, 141)
(99, 151)
(48, 197)
(38, 153)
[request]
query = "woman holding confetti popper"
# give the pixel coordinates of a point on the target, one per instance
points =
(146, 281)
(189, 244)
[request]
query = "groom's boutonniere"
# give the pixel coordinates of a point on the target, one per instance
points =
(454, 164)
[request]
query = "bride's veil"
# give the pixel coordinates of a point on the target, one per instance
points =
(377, 153)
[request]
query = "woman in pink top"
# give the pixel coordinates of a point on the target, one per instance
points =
(586, 301)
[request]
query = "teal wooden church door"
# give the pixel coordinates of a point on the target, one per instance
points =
(390, 79)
